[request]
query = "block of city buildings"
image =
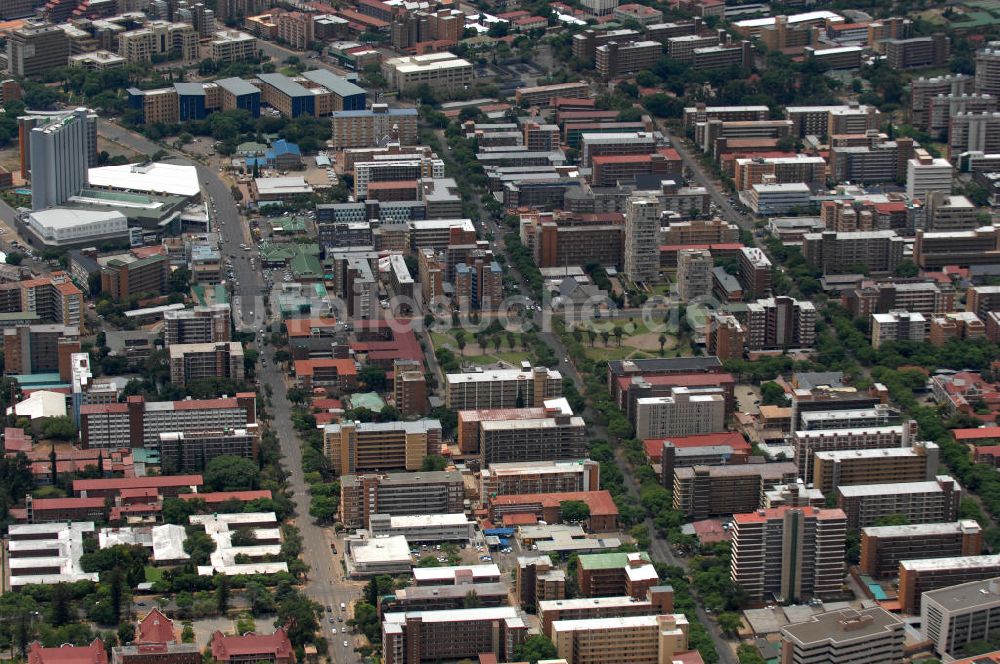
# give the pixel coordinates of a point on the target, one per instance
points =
(917, 463)
(703, 491)
(413, 637)
(354, 447)
(684, 412)
(614, 574)
(953, 617)
(502, 388)
(658, 601)
(632, 639)
(917, 577)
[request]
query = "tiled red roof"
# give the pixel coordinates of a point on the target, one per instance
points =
(963, 435)
(600, 502)
(97, 408)
(344, 367)
(137, 482)
(67, 654)
(277, 645)
(302, 327)
(734, 439)
(761, 516)
(156, 628)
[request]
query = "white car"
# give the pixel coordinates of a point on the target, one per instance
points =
(333, 629)
(345, 644)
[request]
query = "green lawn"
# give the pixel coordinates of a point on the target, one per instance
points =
(153, 574)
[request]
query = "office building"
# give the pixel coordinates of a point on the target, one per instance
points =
(159, 38)
(703, 491)
(642, 230)
(621, 59)
(203, 324)
(233, 46)
(884, 547)
(615, 574)
(439, 71)
(60, 158)
(934, 250)
(954, 617)
(898, 326)
(919, 502)
(502, 388)
(627, 639)
(694, 274)
(126, 276)
(684, 412)
(926, 174)
(950, 213)
(789, 553)
(932, 51)
(354, 447)
(238, 94)
(780, 322)
(832, 469)
(35, 48)
(919, 577)
(399, 494)
(414, 637)
(771, 199)
(137, 423)
(366, 128)
(847, 636)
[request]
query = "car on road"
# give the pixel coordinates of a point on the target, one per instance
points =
(333, 629)
(345, 644)
(332, 620)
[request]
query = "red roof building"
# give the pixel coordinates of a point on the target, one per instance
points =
(67, 654)
(311, 327)
(216, 497)
(546, 507)
(256, 648)
(167, 485)
(156, 628)
(627, 389)
(55, 510)
(16, 440)
(976, 435)
(340, 374)
(734, 439)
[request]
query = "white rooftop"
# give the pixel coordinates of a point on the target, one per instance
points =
(381, 550)
(623, 622)
(155, 178)
(454, 615)
(425, 574)
(428, 520)
(41, 404)
(792, 19)
(893, 488)
(64, 546)
(223, 559)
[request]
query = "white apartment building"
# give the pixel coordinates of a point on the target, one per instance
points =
(925, 174)
(642, 238)
(898, 326)
(438, 70)
(685, 412)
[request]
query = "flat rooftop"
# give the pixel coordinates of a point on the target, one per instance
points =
(966, 596)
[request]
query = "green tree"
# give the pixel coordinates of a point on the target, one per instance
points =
(574, 511)
(187, 633)
(222, 594)
(59, 428)
(772, 394)
(232, 473)
(534, 648)
(472, 600)
(729, 622)
(433, 462)
(428, 561)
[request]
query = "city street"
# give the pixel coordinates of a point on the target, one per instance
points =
(325, 584)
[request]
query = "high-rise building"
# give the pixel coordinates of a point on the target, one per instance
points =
(725, 337)
(684, 413)
(833, 469)
(884, 547)
(32, 349)
(898, 326)
(373, 446)
(847, 636)
(955, 616)
(780, 322)
(925, 174)
(988, 69)
(190, 362)
(917, 577)
(694, 273)
(755, 272)
(124, 277)
(704, 491)
(642, 238)
(204, 324)
(519, 477)
(837, 252)
(980, 246)
(918, 502)
(789, 553)
(36, 48)
(60, 158)
(190, 451)
(502, 388)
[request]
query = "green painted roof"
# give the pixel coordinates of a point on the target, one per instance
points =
(370, 400)
(304, 265)
(607, 560)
